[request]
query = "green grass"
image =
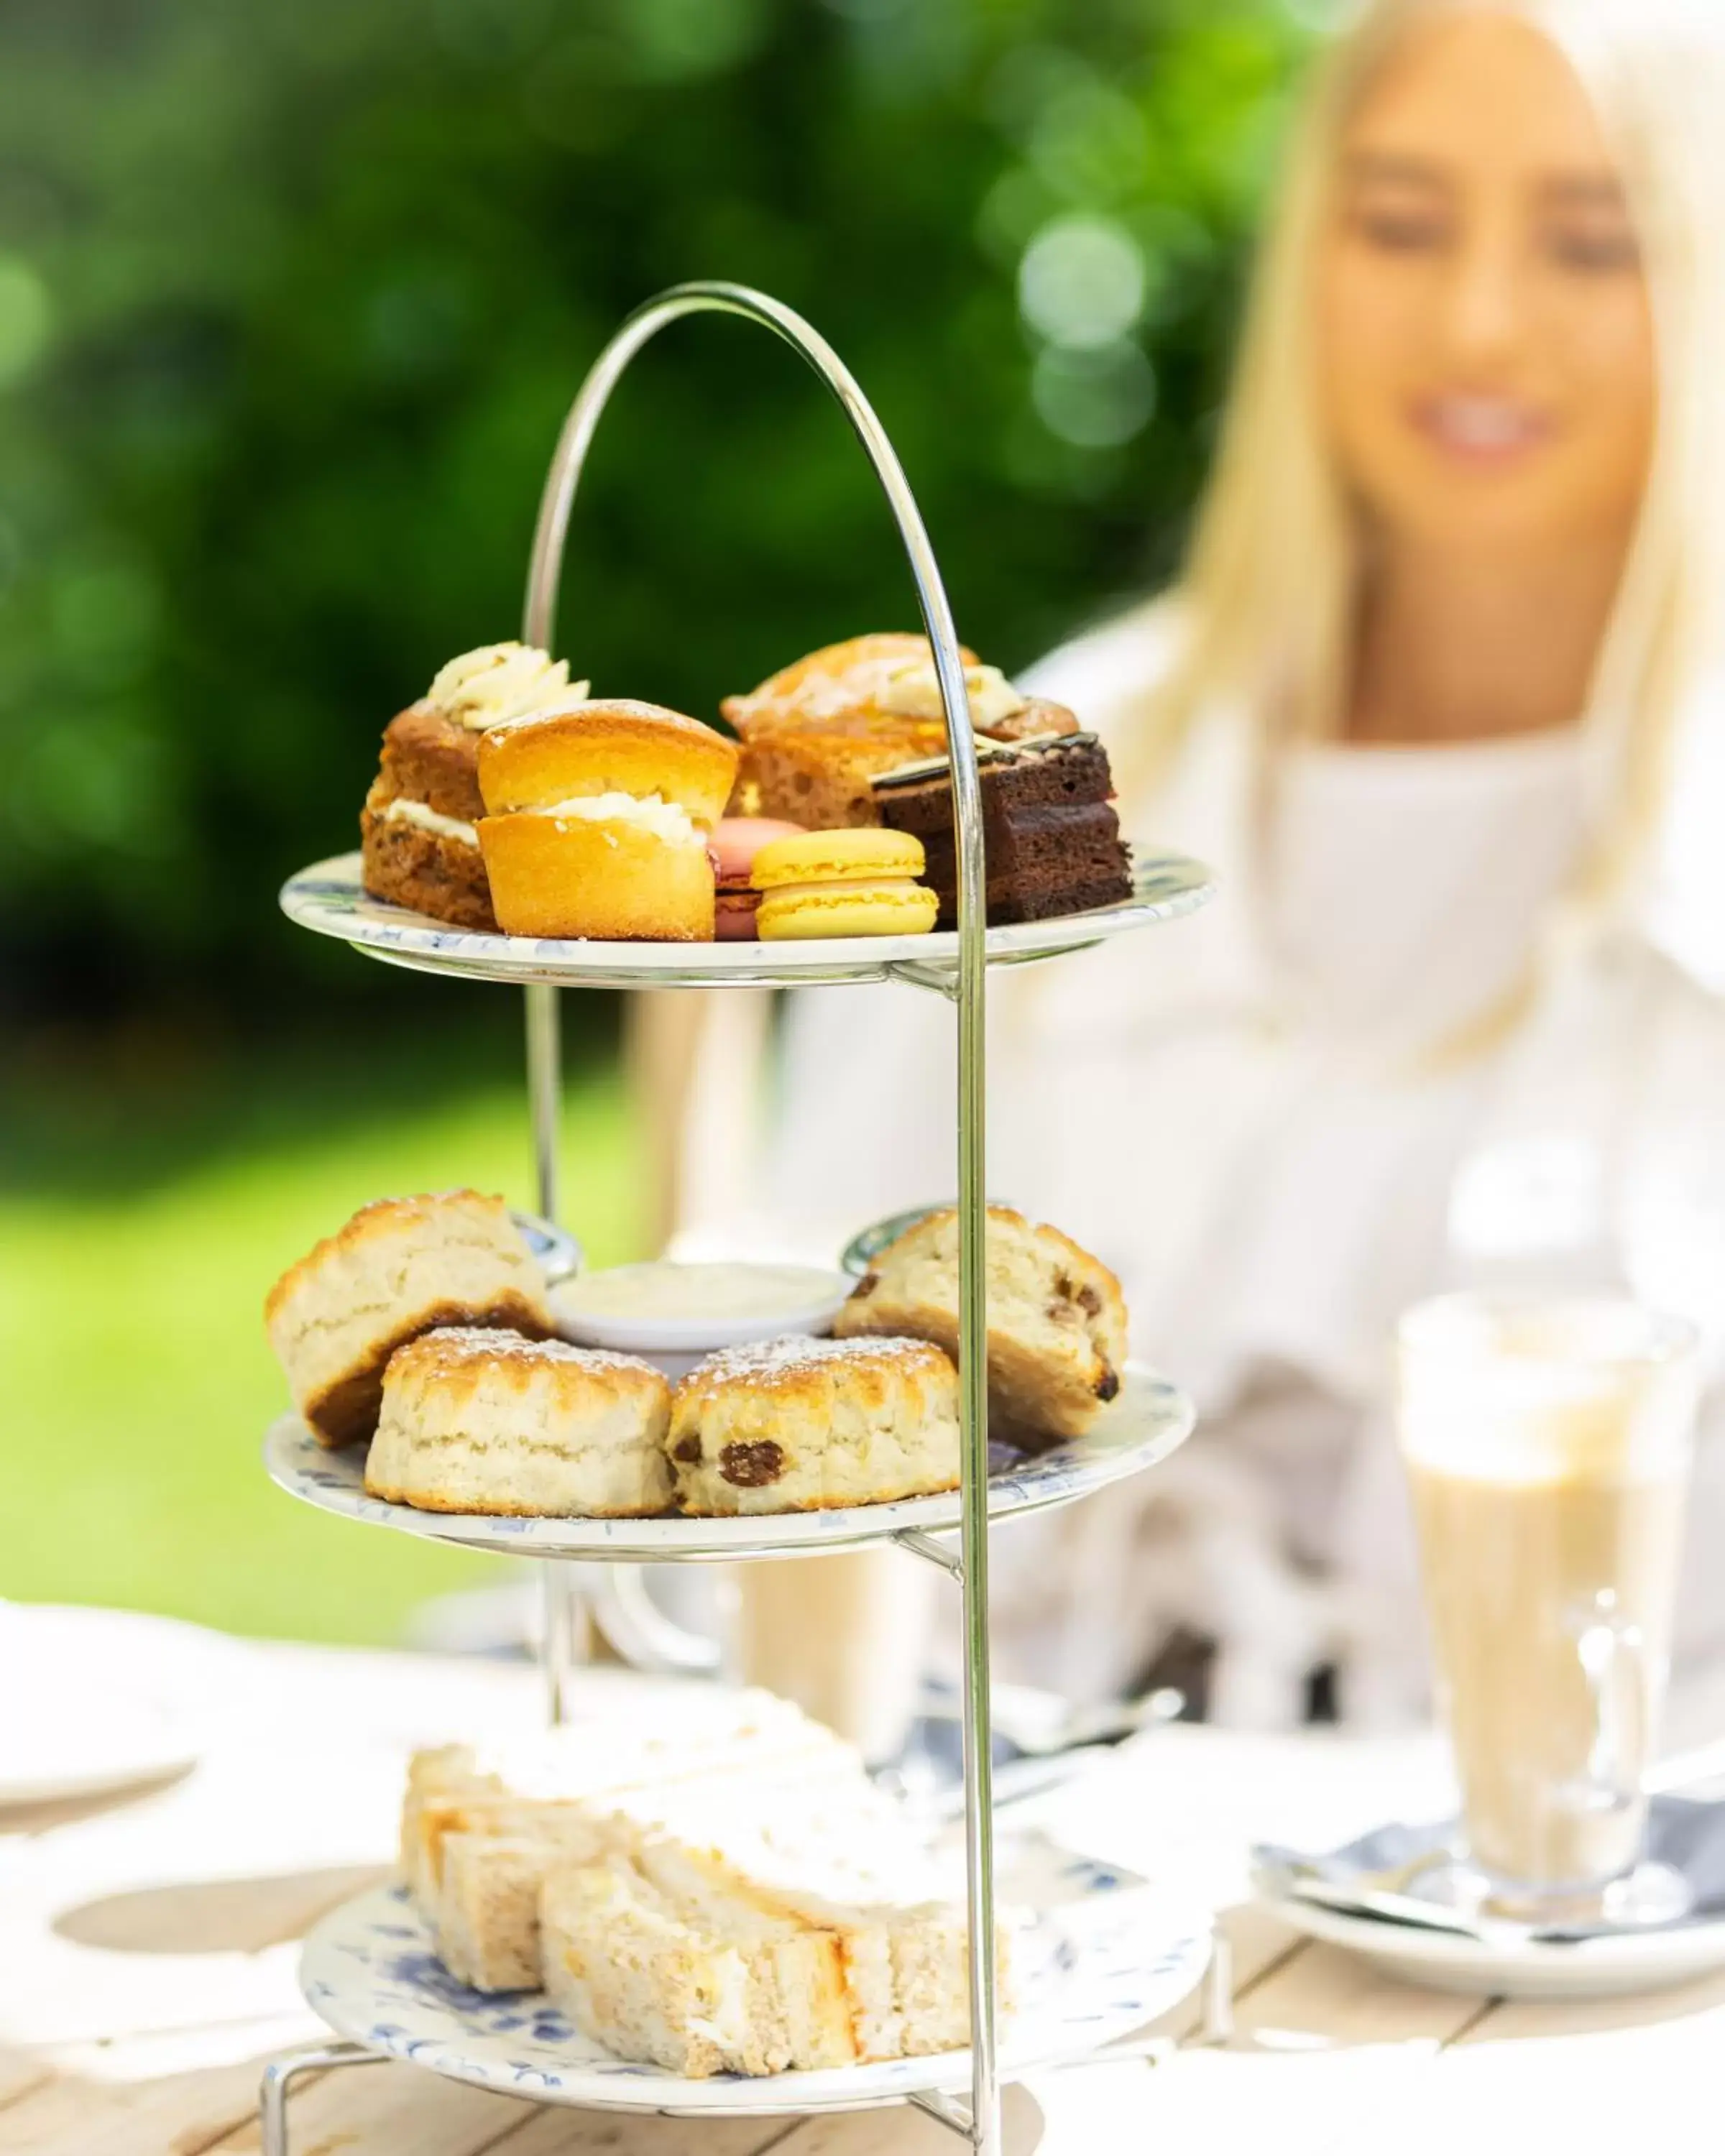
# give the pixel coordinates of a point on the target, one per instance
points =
(134, 1381)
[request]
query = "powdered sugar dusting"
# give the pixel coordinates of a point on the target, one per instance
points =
(796, 1355)
(477, 1343)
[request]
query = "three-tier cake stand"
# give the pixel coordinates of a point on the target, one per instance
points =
(1147, 1422)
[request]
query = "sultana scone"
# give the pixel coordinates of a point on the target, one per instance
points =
(801, 1424)
(478, 1421)
(398, 1268)
(1057, 1324)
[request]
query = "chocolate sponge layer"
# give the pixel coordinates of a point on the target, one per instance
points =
(1051, 835)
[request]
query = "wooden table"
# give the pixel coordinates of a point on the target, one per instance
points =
(148, 1962)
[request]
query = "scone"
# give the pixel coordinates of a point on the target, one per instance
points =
(816, 733)
(475, 1421)
(398, 1268)
(597, 818)
(1057, 1322)
(419, 844)
(800, 1425)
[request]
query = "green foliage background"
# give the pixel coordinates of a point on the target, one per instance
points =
(293, 294)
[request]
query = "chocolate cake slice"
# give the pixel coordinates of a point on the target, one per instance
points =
(1051, 835)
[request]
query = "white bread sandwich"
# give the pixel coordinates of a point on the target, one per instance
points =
(479, 1829)
(751, 1960)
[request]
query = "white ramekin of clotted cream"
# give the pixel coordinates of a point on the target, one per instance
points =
(675, 1314)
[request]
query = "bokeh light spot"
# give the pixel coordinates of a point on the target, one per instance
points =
(1082, 282)
(25, 318)
(1097, 398)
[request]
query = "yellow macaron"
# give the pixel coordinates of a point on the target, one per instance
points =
(836, 857)
(842, 883)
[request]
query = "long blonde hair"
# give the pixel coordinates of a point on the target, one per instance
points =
(1268, 598)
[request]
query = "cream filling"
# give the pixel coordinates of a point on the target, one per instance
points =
(667, 820)
(500, 683)
(401, 811)
(913, 691)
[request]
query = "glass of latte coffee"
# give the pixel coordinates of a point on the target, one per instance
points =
(1547, 1440)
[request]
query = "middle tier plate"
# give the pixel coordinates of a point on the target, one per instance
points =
(327, 898)
(1143, 1426)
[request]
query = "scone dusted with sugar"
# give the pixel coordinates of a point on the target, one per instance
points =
(1057, 1324)
(815, 733)
(801, 1425)
(400, 1267)
(596, 821)
(418, 830)
(480, 1421)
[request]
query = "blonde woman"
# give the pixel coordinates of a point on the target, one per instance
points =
(1435, 698)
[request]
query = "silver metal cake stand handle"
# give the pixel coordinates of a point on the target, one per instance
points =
(967, 988)
(980, 2122)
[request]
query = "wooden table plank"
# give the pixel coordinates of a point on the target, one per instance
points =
(1321, 2040)
(181, 2116)
(1586, 2077)
(145, 1969)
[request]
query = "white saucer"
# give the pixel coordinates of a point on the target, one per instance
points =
(89, 1705)
(1611, 1967)
(1104, 1952)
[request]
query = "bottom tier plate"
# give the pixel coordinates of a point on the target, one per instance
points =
(1104, 1952)
(1141, 1426)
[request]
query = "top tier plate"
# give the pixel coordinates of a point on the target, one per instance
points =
(327, 898)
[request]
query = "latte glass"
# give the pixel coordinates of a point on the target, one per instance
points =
(1547, 1442)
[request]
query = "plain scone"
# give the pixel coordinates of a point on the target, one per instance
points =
(475, 1421)
(801, 1425)
(1057, 1324)
(398, 1268)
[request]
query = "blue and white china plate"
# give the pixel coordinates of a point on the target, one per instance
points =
(1424, 1935)
(327, 898)
(1103, 1952)
(1145, 1422)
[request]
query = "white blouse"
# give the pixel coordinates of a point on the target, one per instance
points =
(1258, 1117)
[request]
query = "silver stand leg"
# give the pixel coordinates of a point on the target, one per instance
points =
(544, 1090)
(1218, 1995)
(561, 1624)
(562, 1636)
(279, 2073)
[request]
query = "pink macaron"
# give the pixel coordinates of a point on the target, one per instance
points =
(732, 843)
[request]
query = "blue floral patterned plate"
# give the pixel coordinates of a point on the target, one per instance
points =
(327, 898)
(1102, 1953)
(1144, 1424)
